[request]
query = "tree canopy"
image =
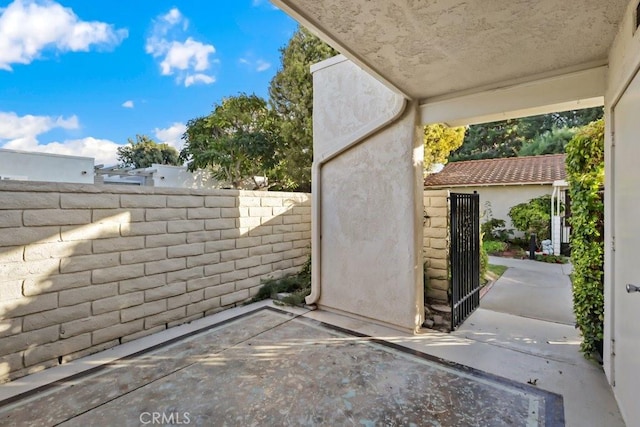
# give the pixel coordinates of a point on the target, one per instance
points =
(548, 133)
(439, 141)
(291, 96)
(144, 151)
(553, 141)
(237, 141)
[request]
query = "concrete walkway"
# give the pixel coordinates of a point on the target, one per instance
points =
(532, 289)
(526, 323)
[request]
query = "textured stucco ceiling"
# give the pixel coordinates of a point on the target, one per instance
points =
(428, 48)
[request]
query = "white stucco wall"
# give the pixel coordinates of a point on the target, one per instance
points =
(368, 241)
(504, 197)
(27, 166)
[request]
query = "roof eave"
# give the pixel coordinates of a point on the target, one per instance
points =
(495, 184)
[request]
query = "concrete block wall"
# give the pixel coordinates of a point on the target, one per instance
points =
(436, 244)
(85, 267)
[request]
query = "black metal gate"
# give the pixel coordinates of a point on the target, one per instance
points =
(464, 256)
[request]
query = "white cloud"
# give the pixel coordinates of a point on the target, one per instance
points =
(188, 60)
(102, 150)
(262, 65)
(198, 78)
(128, 104)
(174, 16)
(30, 27)
(258, 65)
(21, 133)
(14, 127)
(172, 135)
(186, 55)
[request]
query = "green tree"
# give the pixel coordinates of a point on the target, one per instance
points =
(144, 151)
(439, 141)
(530, 127)
(488, 141)
(237, 141)
(291, 96)
(550, 142)
(508, 138)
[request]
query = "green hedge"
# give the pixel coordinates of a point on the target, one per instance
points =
(585, 174)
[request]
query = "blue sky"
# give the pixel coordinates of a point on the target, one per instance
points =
(80, 77)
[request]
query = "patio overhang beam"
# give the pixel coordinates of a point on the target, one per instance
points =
(546, 94)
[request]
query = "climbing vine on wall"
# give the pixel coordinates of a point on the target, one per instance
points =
(585, 173)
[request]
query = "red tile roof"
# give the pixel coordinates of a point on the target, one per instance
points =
(511, 170)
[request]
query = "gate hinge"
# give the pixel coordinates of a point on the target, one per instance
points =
(613, 139)
(613, 347)
(613, 355)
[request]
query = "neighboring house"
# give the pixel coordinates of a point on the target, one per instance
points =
(180, 177)
(504, 183)
(158, 175)
(29, 166)
(46, 167)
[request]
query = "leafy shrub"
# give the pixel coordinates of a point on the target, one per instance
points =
(533, 216)
(521, 242)
(553, 259)
(494, 229)
(493, 247)
(517, 251)
(585, 174)
(299, 285)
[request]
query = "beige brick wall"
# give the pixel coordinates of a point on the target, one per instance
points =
(436, 243)
(85, 267)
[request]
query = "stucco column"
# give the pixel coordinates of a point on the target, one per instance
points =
(367, 198)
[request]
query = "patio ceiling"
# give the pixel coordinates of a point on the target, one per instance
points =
(445, 48)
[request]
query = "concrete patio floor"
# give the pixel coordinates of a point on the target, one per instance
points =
(272, 367)
(251, 366)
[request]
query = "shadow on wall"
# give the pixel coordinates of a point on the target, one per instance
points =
(84, 268)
